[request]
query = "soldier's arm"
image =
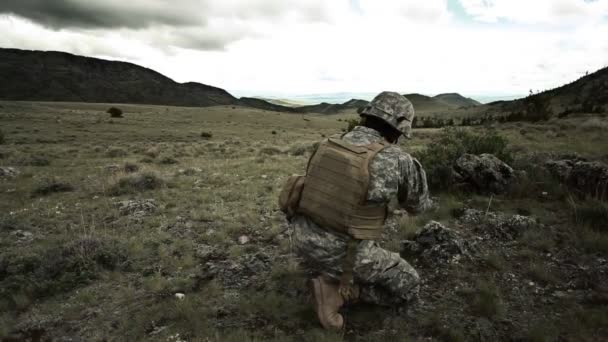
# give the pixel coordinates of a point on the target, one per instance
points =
(413, 192)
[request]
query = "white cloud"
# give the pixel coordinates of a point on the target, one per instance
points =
(263, 46)
(556, 12)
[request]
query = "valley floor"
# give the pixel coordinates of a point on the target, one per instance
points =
(163, 225)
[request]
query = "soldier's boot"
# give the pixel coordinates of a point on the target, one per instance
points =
(328, 302)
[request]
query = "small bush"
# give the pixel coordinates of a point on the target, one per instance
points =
(116, 153)
(486, 300)
(136, 183)
(131, 167)
(206, 135)
(352, 123)
(39, 272)
(445, 149)
(270, 151)
(592, 214)
(152, 152)
(115, 112)
(299, 150)
(37, 161)
(49, 186)
(168, 160)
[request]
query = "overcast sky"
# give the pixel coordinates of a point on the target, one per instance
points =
(269, 47)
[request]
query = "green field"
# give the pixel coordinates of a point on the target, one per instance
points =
(75, 262)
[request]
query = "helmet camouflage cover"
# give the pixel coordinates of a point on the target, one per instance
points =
(394, 109)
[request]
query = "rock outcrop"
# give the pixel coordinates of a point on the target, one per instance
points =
(497, 225)
(137, 208)
(8, 172)
(584, 177)
(436, 243)
(483, 173)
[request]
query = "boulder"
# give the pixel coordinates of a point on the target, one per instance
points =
(584, 177)
(436, 243)
(22, 236)
(8, 172)
(137, 208)
(483, 173)
(497, 225)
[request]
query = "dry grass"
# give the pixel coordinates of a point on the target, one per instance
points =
(224, 185)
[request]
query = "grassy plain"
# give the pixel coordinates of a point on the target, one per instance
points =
(74, 264)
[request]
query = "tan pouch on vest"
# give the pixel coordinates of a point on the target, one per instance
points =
(336, 186)
(290, 195)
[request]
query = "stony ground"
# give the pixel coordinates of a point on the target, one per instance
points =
(163, 225)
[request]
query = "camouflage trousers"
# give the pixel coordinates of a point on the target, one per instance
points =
(383, 276)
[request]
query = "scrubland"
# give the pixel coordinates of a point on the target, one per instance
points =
(107, 222)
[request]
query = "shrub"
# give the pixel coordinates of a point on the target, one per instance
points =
(2, 138)
(270, 151)
(152, 152)
(352, 123)
(487, 301)
(116, 152)
(49, 186)
(48, 271)
(136, 183)
(131, 167)
(168, 160)
(299, 150)
(441, 154)
(591, 213)
(115, 112)
(206, 135)
(37, 161)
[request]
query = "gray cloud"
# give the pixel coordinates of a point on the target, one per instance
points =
(102, 14)
(191, 24)
(136, 14)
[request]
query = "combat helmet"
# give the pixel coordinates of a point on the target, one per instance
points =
(394, 109)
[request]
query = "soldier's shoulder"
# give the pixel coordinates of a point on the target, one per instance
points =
(394, 150)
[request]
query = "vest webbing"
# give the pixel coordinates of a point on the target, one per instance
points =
(336, 186)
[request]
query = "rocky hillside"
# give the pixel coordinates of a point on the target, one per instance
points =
(59, 76)
(588, 94)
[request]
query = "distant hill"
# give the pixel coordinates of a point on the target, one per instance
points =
(440, 103)
(59, 76)
(282, 102)
(321, 108)
(456, 100)
(258, 103)
(330, 108)
(588, 94)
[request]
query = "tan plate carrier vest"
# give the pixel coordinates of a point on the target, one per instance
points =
(335, 189)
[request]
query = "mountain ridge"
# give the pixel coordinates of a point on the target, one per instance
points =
(61, 76)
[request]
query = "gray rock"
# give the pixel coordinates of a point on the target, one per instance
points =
(586, 178)
(137, 208)
(8, 172)
(22, 236)
(483, 173)
(206, 252)
(244, 272)
(497, 224)
(112, 168)
(437, 243)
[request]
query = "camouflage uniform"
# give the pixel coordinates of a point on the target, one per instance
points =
(384, 277)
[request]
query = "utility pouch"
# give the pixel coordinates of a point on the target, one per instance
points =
(289, 198)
